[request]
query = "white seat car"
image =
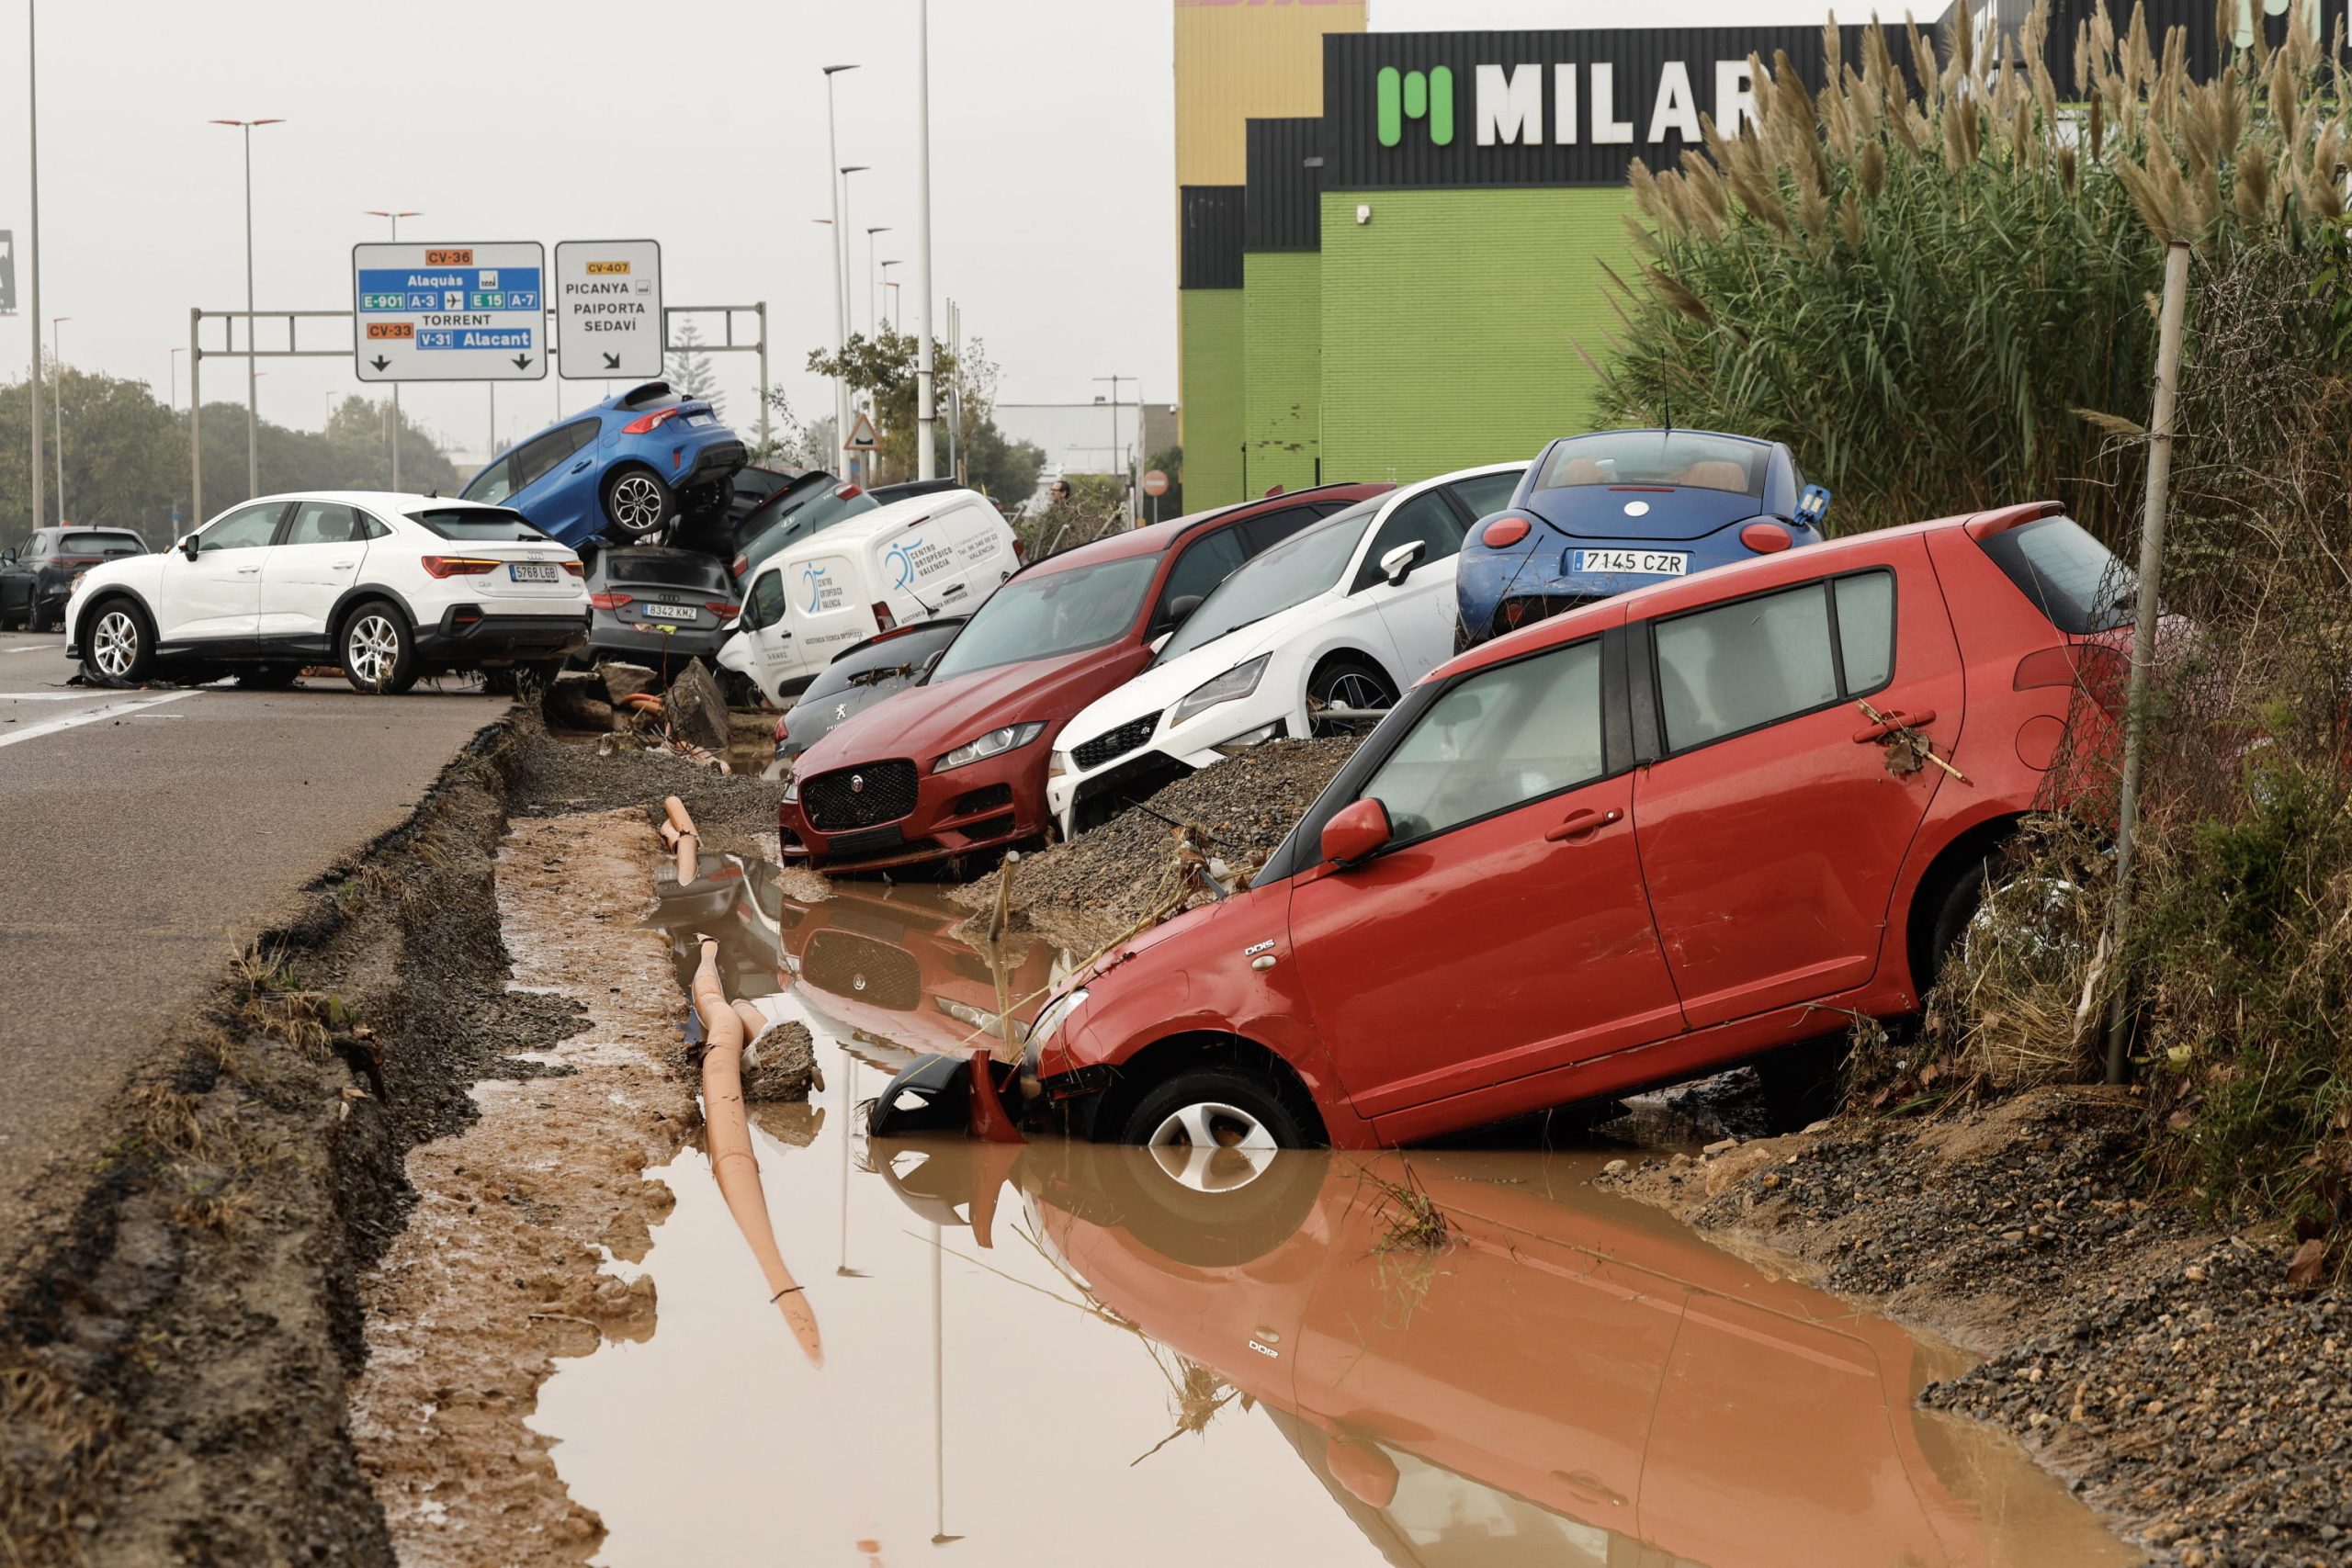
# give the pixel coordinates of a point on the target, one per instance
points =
(389, 587)
(1344, 616)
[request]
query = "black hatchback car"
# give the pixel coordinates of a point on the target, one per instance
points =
(649, 602)
(37, 577)
(860, 676)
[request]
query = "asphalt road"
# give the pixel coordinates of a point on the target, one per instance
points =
(147, 836)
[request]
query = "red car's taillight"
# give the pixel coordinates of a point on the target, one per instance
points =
(1019, 551)
(883, 619)
(458, 566)
(1503, 532)
(2097, 669)
(738, 566)
(610, 601)
(646, 424)
(780, 734)
(722, 609)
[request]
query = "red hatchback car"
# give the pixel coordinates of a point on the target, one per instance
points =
(1649, 837)
(957, 765)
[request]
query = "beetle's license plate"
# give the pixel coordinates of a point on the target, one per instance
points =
(1652, 563)
(670, 611)
(532, 571)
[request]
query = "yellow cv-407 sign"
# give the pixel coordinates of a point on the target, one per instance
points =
(607, 299)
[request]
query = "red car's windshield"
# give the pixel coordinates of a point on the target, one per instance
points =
(1050, 612)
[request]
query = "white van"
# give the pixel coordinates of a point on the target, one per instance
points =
(929, 555)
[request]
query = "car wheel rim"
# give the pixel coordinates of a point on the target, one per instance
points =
(1211, 1147)
(115, 645)
(371, 649)
(637, 504)
(1350, 691)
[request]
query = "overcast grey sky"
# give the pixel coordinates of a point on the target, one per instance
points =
(701, 125)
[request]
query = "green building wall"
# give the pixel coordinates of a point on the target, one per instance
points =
(1209, 350)
(1451, 323)
(1282, 341)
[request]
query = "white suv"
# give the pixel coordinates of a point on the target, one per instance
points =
(389, 587)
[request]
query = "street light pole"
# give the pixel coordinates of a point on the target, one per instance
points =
(395, 217)
(253, 359)
(841, 281)
(882, 273)
(174, 404)
(864, 474)
(1118, 466)
(926, 405)
(57, 406)
(32, 112)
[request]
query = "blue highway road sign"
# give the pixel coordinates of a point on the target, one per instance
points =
(443, 312)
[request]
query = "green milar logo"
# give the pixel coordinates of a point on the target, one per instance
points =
(1414, 95)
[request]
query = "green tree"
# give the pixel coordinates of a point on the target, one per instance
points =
(690, 370)
(884, 367)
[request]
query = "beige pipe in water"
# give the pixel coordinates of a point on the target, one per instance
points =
(727, 1128)
(681, 837)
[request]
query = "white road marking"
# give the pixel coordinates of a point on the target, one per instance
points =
(33, 647)
(112, 710)
(44, 696)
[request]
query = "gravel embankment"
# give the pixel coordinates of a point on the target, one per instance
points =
(1090, 890)
(2170, 1373)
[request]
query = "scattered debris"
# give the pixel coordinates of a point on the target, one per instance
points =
(696, 709)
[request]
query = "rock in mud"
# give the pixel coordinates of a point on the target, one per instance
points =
(696, 709)
(627, 680)
(781, 1063)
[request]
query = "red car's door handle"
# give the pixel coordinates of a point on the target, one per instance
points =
(1580, 825)
(1893, 722)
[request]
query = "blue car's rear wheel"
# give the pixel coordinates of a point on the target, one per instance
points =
(637, 505)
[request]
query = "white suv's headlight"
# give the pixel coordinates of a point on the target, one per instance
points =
(995, 743)
(1233, 684)
(1060, 1008)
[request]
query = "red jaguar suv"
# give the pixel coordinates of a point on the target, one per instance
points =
(957, 765)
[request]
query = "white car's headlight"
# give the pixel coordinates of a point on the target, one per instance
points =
(1060, 1008)
(1235, 683)
(995, 743)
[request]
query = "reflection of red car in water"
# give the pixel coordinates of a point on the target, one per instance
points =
(884, 961)
(1578, 1382)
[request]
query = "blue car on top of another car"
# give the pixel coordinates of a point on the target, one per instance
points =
(1599, 514)
(623, 472)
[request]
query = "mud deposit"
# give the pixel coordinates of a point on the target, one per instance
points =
(520, 1246)
(2170, 1372)
(1029, 1350)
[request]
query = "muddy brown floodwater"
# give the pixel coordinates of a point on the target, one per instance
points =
(1061, 1353)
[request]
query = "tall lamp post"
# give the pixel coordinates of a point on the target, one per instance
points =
(841, 280)
(57, 409)
(927, 400)
(882, 271)
(1118, 465)
(395, 218)
(174, 404)
(32, 115)
(253, 360)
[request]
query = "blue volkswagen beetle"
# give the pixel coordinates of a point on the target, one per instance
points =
(1599, 514)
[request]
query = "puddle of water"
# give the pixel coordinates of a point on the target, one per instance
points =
(1068, 1353)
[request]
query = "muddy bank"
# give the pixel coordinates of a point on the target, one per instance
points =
(173, 1365)
(1095, 887)
(2170, 1373)
(504, 1264)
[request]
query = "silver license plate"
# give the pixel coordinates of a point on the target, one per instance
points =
(670, 611)
(701, 419)
(1650, 563)
(532, 571)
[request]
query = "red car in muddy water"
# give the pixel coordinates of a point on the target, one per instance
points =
(1653, 836)
(956, 766)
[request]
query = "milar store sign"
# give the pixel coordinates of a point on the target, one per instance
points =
(1511, 104)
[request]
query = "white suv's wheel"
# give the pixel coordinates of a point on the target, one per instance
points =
(378, 655)
(116, 649)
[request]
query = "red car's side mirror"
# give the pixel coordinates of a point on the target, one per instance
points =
(1355, 832)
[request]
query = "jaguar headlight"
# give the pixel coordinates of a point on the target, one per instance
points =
(791, 790)
(995, 743)
(1232, 686)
